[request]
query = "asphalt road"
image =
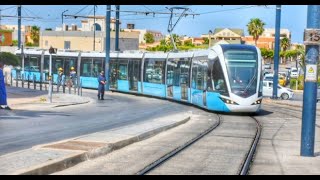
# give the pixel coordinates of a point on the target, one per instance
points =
(22, 129)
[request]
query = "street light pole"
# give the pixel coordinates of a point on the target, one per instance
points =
(50, 79)
(210, 32)
(107, 45)
(62, 17)
(51, 51)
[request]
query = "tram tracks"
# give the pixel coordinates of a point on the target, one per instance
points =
(249, 158)
(244, 167)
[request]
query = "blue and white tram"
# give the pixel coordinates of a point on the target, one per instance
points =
(225, 78)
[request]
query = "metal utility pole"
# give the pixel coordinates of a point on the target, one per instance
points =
(62, 17)
(171, 26)
(210, 33)
(276, 53)
(312, 41)
(0, 29)
(94, 27)
(117, 27)
(108, 17)
(19, 26)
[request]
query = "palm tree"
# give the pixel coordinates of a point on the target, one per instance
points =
(35, 31)
(255, 28)
(285, 43)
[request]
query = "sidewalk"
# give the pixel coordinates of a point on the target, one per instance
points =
(53, 157)
(22, 98)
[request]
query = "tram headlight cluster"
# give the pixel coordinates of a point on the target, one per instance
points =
(227, 101)
(257, 102)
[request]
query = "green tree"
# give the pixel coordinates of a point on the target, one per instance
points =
(285, 43)
(15, 42)
(35, 33)
(9, 58)
(206, 40)
(255, 28)
(148, 37)
(188, 43)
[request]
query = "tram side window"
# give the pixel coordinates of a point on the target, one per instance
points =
(46, 64)
(86, 65)
(218, 78)
(123, 70)
(154, 71)
(56, 64)
(176, 72)
(184, 75)
(170, 72)
(97, 67)
(194, 74)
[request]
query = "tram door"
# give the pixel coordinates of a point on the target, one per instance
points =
(68, 63)
(134, 74)
(184, 78)
(199, 80)
(205, 77)
(113, 74)
(171, 66)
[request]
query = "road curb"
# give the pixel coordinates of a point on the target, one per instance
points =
(72, 104)
(67, 162)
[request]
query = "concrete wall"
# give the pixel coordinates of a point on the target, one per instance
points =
(83, 41)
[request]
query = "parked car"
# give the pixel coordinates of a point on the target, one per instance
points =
(267, 66)
(294, 73)
(283, 93)
(281, 80)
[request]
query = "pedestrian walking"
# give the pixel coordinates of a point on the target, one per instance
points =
(3, 93)
(59, 80)
(102, 82)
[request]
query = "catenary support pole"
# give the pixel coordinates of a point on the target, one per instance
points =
(117, 27)
(107, 60)
(310, 83)
(276, 53)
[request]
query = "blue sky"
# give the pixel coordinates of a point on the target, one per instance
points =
(293, 17)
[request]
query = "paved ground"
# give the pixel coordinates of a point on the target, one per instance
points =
(49, 158)
(278, 151)
(24, 128)
(221, 152)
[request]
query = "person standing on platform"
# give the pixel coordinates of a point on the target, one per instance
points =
(3, 92)
(102, 82)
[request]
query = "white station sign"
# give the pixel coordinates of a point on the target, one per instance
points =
(311, 73)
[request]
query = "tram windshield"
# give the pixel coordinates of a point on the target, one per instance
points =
(242, 69)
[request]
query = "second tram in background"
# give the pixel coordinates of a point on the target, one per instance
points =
(225, 78)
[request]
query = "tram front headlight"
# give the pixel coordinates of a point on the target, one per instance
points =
(257, 102)
(227, 101)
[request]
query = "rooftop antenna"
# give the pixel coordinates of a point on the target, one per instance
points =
(171, 25)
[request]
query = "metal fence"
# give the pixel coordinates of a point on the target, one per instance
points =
(67, 85)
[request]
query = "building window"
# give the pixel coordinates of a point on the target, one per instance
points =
(67, 44)
(98, 27)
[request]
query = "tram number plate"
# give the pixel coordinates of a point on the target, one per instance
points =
(311, 36)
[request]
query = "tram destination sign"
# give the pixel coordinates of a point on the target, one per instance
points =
(311, 37)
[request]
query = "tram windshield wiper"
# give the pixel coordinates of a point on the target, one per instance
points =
(250, 83)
